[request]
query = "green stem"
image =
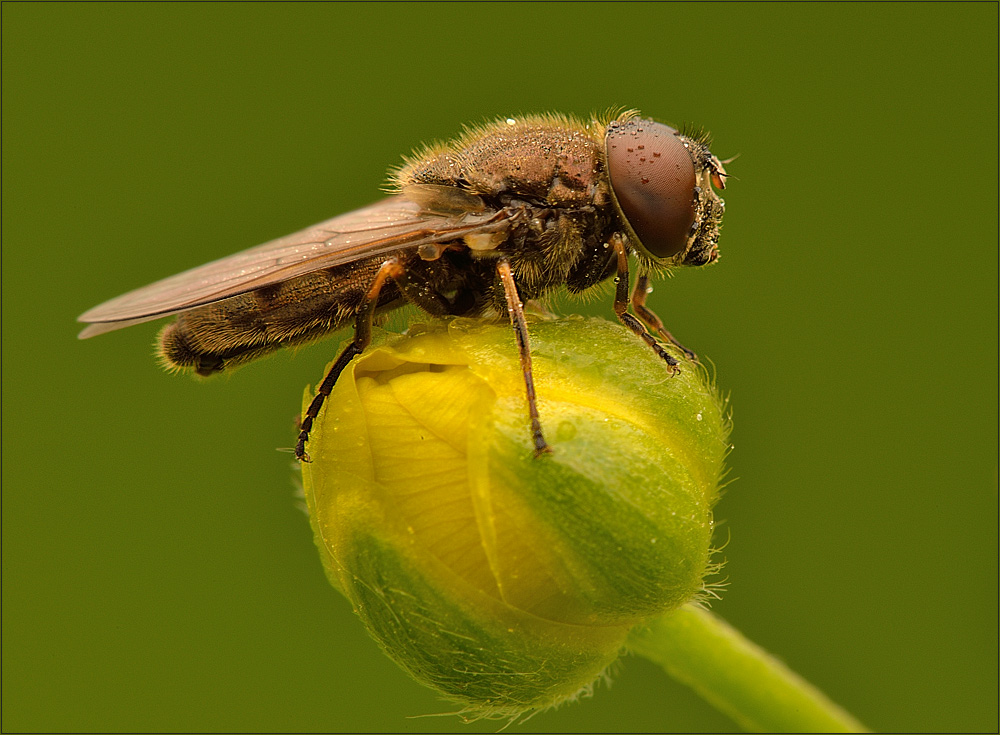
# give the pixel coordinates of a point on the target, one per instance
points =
(736, 676)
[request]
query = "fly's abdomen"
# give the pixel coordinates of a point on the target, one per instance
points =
(228, 333)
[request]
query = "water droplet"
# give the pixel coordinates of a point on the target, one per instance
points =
(565, 431)
(699, 417)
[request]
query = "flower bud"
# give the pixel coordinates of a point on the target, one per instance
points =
(506, 581)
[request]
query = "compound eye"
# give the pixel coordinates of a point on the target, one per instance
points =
(652, 175)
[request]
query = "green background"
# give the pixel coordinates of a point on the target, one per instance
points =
(158, 573)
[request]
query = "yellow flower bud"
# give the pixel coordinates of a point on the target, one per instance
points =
(509, 582)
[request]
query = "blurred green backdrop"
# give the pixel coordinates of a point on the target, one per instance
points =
(158, 573)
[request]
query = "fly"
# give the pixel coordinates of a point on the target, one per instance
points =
(508, 211)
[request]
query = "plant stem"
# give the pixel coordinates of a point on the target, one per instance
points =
(736, 676)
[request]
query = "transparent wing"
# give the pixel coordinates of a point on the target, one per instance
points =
(379, 229)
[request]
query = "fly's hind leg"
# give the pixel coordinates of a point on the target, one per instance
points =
(362, 337)
(622, 302)
(650, 319)
(414, 290)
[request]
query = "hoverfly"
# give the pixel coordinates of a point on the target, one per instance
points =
(507, 212)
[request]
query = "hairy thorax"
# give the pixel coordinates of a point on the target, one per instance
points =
(531, 159)
(549, 172)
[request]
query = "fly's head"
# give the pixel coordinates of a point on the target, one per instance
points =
(663, 183)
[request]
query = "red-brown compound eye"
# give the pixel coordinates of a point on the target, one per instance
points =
(653, 179)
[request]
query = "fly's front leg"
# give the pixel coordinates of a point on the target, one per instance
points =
(622, 302)
(516, 310)
(362, 336)
(650, 319)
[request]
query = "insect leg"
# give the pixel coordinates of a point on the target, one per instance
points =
(362, 336)
(419, 288)
(650, 319)
(516, 310)
(621, 307)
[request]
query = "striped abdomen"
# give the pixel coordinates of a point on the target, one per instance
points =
(220, 336)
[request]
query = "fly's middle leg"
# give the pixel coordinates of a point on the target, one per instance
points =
(621, 307)
(516, 310)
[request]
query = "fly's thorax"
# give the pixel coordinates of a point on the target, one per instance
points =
(548, 173)
(546, 159)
